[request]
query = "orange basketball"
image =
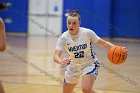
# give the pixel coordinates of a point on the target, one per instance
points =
(117, 54)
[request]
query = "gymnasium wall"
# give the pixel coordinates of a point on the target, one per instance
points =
(15, 17)
(35, 17)
(45, 17)
(108, 18)
(88, 18)
(125, 15)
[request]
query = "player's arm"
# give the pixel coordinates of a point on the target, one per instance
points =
(104, 43)
(2, 36)
(57, 58)
(99, 41)
(58, 52)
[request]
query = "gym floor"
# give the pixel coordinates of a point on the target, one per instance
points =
(27, 66)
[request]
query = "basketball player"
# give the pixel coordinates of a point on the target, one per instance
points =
(2, 40)
(2, 31)
(82, 61)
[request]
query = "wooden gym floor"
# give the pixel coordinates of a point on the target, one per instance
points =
(27, 67)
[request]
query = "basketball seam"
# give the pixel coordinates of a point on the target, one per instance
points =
(120, 55)
(113, 55)
(125, 55)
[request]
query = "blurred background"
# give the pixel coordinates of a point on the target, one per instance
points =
(33, 27)
(109, 18)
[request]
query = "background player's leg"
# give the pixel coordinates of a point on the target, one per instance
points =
(1, 88)
(68, 88)
(87, 83)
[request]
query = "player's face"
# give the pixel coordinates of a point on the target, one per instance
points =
(73, 25)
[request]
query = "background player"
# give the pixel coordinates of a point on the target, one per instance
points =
(2, 31)
(2, 39)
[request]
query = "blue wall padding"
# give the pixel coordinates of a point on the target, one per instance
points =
(108, 18)
(126, 17)
(16, 16)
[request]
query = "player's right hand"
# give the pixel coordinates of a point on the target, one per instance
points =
(65, 60)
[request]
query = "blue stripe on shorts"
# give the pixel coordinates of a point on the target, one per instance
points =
(92, 70)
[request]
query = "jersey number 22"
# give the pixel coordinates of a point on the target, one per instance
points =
(79, 54)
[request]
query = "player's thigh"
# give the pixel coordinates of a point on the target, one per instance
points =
(68, 87)
(88, 82)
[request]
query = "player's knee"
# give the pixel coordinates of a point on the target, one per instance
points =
(86, 89)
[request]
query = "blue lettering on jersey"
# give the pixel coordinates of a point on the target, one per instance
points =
(92, 53)
(76, 48)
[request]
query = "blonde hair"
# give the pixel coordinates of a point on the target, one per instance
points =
(75, 13)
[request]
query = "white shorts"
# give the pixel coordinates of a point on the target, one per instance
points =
(73, 73)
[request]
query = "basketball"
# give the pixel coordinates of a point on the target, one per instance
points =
(117, 54)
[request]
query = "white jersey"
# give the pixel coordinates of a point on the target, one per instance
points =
(80, 50)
